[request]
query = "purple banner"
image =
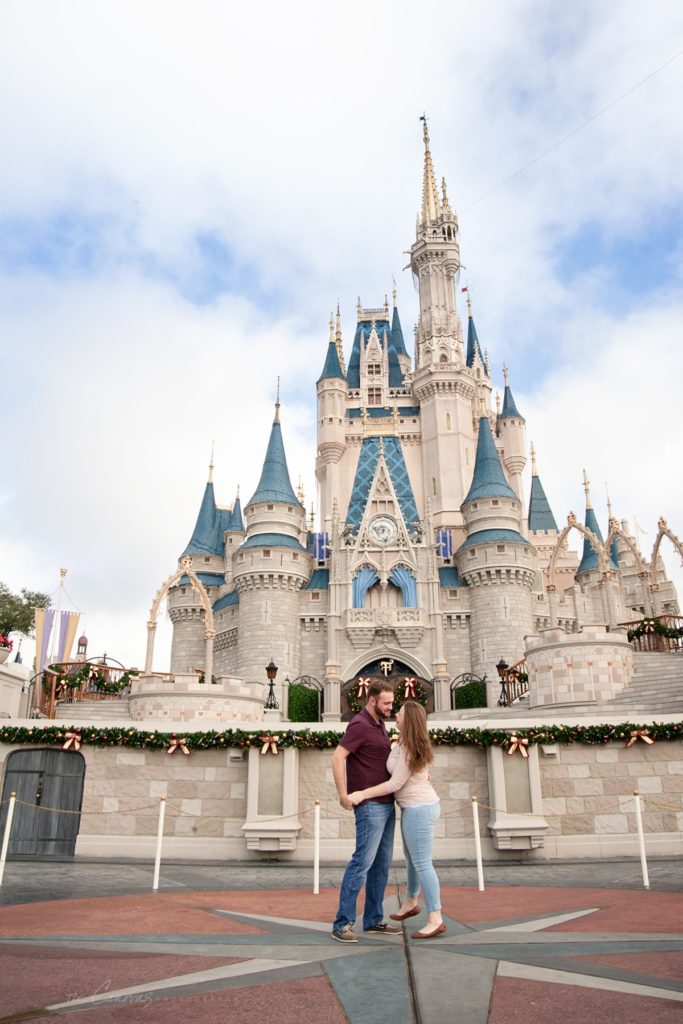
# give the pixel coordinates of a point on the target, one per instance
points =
(47, 632)
(63, 634)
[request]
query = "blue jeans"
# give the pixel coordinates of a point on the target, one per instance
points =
(417, 830)
(369, 865)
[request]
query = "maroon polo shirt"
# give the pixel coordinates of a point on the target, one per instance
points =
(369, 746)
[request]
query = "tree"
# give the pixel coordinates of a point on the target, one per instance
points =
(16, 610)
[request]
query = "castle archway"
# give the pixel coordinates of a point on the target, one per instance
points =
(600, 549)
(662, 532)
(404, 674)
(209, 631)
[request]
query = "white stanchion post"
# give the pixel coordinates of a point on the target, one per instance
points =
(316, 849)
(5, 838)
(641, 840)
(477, 844)
(160, 836)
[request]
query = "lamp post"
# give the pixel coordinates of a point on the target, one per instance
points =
(271, 672)
(502, 670)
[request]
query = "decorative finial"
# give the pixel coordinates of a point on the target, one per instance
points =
(300, 491)
(444, 194)
(331, 327)
(393, 289)
(534, 469)
(277, 403)
(498, 403)
(62, 575)
(211, 463)
(311, 518)
(586, 487)
(505, 374)
(238, 491)
(430, 196)
(609, 504)
(487, 362)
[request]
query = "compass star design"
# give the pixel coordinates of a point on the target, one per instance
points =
(418, 980)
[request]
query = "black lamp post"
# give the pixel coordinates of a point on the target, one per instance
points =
(502, 670)
(271, 672)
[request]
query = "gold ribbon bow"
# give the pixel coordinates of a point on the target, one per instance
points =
(409, 690)
(362, 687)
(518, 743)
(73, 739)
(640, 734)
(178, 744)
(648, 626)
(269, 743)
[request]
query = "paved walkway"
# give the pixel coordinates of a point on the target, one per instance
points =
(251, 944)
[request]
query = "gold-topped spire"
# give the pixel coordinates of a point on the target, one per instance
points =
(277, 403)
(498, 403)
(338, 340)
(300, 491)
(586, 487)
(505, 374)
(534, 467)
(331, 327)
(393, 289)
(609, 504)
(430, 197)
(211, 464)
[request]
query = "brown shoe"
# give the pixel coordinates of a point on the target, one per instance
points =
(406, 913)
(439, 930)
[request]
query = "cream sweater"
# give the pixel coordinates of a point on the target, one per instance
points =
(411, 788)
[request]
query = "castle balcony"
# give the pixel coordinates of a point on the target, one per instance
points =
(404, 626)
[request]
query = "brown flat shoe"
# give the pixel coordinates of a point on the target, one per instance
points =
(406, 913)
(439, 930)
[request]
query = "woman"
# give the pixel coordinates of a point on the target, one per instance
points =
(408, 763)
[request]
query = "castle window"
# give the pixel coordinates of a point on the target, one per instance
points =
(207, 558)
(500, 547)
(269, 508)
(443, 358)
(183, 590)
(315, 595)
(448, 421)
(374, 396)
(452, 593)
(473, 552)
(495, 501)
(295, 556)
(433, 485)
(374, 369)
(266, 552)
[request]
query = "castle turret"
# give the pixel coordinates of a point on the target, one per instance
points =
(332, 395)
(184, 608)
(497, 563)
(271, 567)
(599, 588)
(234, 535)
(511, 430)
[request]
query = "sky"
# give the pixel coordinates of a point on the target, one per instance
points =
(187, 190)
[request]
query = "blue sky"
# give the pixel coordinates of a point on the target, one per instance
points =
(187, 191)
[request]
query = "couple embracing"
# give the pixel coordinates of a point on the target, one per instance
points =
(369, 774)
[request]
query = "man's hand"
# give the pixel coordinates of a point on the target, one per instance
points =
(346, 803)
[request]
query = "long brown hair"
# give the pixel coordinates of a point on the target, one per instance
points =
(415, 736)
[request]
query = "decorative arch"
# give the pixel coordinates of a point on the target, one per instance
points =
(662, 532)
(601, 550)
(209, 631)
(645, 570)
(385, 651)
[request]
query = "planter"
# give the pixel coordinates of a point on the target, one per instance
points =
(4, 654)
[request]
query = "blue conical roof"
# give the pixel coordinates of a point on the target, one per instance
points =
(331, 367)
(236, 522)
(541, 518)
(488, 480)
(207, 537)
(473, 347)
(589, 558)
(397, 335)
(275, 484)
(509, 407)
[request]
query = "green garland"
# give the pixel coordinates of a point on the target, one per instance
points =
(305, 739)
(93, 674)
(654, 626)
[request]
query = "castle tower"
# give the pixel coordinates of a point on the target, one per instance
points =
(332, 396)
(510, 428)
(497, 563)
(234, 535)
(607, 604)
(478, 365)
(445, 387)
(184, 608)
(270, 568)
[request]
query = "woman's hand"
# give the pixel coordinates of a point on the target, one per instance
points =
(356, 798)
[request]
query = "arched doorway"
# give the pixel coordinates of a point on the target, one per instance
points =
(42, 779)
(403, 680)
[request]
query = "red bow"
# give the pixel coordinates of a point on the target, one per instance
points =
(269, 743)
(362, 687)
(518, 743)
(410, 689)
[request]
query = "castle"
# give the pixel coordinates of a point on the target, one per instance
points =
(427, 557)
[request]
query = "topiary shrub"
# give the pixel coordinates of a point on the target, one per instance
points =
(471, 695)
(303, 704)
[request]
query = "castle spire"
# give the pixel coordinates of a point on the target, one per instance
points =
(586, 487)
(211, 465)
(488, 479)
(338, 341)
(275, 484)
(541, 518)
(206, 537)
(510, 409)
(430, 196)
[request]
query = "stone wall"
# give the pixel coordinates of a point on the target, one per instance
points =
(587, 801)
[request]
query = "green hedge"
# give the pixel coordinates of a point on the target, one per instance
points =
(303, 704)
(471, 695)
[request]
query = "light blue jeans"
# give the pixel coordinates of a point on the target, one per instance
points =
(417, 830)
(369, 865)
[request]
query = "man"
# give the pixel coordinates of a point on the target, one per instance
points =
(360, 761)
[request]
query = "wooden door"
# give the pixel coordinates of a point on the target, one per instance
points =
(49, 788)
